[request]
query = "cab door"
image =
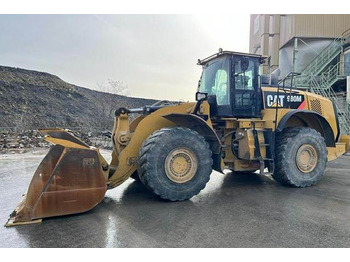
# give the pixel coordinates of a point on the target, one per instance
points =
(245, 87)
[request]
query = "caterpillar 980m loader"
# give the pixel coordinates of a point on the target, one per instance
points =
(235, 123)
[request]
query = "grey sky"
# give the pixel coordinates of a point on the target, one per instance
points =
(155, 55)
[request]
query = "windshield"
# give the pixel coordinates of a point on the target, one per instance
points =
(215, 80)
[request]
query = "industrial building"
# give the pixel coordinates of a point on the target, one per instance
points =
(316, 46)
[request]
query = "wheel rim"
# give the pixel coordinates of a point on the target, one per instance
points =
(306, 158)
(181, 165)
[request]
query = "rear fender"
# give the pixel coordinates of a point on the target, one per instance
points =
(310, 119)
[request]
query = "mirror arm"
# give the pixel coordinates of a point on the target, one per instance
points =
(198, 104)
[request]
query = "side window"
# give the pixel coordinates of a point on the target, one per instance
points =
(244, 79)
(244, 83)
(221, 88)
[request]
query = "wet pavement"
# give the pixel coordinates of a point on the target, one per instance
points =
(232, 211)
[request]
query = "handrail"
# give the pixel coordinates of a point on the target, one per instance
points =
(328, 76)
(346, 33)
(321, 60)
(343, 115)
(289, 75)
(318, 76)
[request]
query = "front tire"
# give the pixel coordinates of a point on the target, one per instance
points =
(135, 176)
(301, 157)
(175, 163)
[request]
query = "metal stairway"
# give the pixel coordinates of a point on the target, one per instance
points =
(321, 85)
(319, 63)
(319, 77)
(324, 58)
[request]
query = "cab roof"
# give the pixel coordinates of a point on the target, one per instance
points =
(223, 53)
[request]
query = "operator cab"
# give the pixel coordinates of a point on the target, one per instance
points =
(232, 84)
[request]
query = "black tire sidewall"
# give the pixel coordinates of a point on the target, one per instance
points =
(155, 176)
(295, 176)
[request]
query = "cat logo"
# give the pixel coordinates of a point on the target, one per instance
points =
(276, 105)
(284, 100)
(275, 100)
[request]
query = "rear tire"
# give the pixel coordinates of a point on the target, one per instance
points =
(175, 163)
(301, 157)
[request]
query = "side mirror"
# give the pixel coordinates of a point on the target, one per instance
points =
(201, 96)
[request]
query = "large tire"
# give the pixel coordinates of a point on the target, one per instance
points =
(175, 163)
(301, 157)
(135, 176)
(242, 172)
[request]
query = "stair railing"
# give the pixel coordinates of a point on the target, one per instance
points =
(343, 113)
(324, 58)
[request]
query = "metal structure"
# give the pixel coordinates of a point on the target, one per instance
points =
(321, 74)
(311, 45)
(272, 35)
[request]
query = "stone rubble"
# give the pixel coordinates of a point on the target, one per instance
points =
(30, 139)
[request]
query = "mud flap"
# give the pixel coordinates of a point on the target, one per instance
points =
(68, 181)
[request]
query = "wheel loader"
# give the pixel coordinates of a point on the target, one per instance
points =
(236, 123)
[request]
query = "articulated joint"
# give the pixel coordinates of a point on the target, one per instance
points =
(121, 111)
(121, 132)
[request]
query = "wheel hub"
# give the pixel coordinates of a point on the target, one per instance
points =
(181, 165)
(306, 158)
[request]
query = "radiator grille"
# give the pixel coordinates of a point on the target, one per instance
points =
(316, 106)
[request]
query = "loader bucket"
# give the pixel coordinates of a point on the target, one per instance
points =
(69, 180)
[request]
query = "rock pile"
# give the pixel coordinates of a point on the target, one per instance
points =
(25, 139)
(28, 139)
(31, 138)
(81, 135)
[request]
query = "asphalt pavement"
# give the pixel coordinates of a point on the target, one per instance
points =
(233, 210)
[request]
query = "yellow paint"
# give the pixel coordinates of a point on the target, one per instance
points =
(63, 142)
(337, 151)
(128, 137)
(269, 114)
(145, 128)
(346, 140)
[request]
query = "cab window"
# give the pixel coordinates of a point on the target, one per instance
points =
(215, 80)
(244, 78)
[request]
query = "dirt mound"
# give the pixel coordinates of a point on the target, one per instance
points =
(33, 100)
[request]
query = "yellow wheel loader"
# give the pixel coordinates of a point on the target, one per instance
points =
(236, 123)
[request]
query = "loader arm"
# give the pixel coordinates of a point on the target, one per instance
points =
(127, 139)
(127, 157)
